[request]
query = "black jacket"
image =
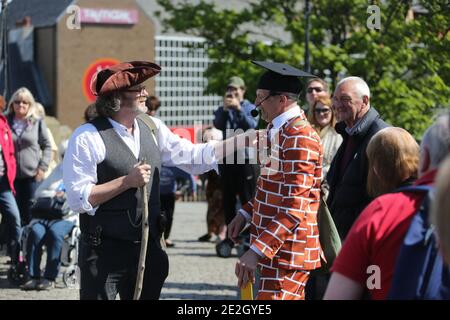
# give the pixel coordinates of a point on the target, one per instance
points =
(348, 195)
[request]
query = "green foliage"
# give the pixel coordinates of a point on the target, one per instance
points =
(406, 63)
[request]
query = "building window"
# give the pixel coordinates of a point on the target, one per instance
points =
(181, 84)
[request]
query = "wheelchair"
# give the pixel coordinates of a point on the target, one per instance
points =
(18, 274)
(69, 258)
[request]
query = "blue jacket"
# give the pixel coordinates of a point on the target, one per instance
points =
(168, 179)
(232, 119)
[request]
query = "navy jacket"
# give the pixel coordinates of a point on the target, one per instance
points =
(232, 119)
(348, 192)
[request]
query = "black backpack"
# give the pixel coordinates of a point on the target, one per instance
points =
(420, 272)
(49, 208)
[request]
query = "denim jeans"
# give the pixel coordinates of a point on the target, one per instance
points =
(10, 211)
(51, 233)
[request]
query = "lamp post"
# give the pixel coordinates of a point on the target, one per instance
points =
(4, 47)
(307, 67)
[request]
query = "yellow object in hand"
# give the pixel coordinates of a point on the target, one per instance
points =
(247, 292)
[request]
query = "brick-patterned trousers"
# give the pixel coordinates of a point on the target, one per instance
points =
(281, 284)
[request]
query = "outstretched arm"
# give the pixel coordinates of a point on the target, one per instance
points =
(201, 157)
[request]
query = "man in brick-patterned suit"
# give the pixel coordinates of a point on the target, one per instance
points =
(284, 234)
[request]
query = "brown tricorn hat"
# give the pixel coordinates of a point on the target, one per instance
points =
(122, 76)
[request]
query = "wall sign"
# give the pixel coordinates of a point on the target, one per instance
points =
(108, 16)
(91, 70)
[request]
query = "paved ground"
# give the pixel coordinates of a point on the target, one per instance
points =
(195, 270)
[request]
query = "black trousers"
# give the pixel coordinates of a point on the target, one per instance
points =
(111, 268)
(168, 206)
(237, 180)
(25, 189)
(316, 286)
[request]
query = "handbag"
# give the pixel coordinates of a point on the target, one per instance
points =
(329, 238)
(49, 208)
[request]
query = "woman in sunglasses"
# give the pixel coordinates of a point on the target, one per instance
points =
(33, 150)
(315, 88)
(322, 118)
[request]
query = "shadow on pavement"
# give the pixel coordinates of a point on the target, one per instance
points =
(198, 286)
(196, 296)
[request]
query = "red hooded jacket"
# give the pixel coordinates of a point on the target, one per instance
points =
(7, 144)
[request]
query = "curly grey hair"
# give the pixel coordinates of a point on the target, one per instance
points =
(108, 106)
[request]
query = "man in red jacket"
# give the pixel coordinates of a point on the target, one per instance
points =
(8, 205)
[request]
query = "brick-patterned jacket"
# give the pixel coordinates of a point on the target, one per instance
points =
(284, 209)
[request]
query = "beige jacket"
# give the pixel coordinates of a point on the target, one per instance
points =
(331, 140)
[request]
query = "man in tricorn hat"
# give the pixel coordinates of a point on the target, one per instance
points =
(284, 234)
(108, 159)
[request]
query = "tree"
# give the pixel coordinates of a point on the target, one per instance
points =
(406, 63)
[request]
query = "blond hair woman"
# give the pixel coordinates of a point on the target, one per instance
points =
(322, 118)
(393, 161)
(377, 234)
(32, 148)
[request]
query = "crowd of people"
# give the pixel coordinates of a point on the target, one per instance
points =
(28, 163)
(373, 178)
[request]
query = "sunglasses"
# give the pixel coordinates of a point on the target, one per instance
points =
(140, 89)
(322, 110)
(20, 101)
(317, 89)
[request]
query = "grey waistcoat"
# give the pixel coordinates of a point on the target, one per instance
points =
(120, 217)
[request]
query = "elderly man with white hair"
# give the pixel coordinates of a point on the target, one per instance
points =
(378, 234)
(347, 176)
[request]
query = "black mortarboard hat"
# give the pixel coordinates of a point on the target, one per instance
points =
(280, 77)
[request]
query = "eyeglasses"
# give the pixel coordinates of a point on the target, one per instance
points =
(342, 100)
(20, 101)
(139, 90)
(274, 94)
(317, 89)
(271, 94)
(322, 110)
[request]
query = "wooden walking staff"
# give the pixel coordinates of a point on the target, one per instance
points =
(144, 242)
